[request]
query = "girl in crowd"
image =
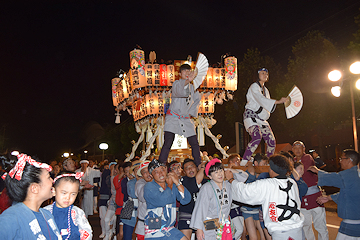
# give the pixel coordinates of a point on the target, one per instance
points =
(70, 219)
(257, 111)
(29, 184)
(213, 201)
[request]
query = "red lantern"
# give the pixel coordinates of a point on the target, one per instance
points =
(163, 75)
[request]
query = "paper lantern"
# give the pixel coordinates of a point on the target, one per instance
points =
(206, 104)
(152, 104)
(216, 77)
(137, 64)
(209, 78)
(115, 96)
(156, 72)
(149, 74)
(163, 75)
(230, 73)
(222, 78)
(171, 74)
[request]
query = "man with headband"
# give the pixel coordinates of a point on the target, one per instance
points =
(278, 196)
(161, 195)
(313, 212)
(184, 105)
(93, 177)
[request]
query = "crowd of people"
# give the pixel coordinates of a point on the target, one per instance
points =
(153, 200)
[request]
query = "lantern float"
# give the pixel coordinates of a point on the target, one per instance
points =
(145, 92)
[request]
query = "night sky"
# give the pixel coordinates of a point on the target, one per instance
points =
(57, 58)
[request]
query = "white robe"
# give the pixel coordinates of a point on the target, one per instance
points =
(256, 99)
(87, 203)
(267, 192)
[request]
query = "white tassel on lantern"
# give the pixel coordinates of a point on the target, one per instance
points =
(149, 134)
(201, 135)
(117, 118)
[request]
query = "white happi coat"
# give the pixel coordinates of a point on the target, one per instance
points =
(184, 102)
(87, 203)
(209, 201)
(256, 99)
(279, 199)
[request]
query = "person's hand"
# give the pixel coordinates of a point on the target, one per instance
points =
(192, 75)
(228, 174)
(174, 178)
(201, 166)
(83, 183)
(313, 169)
(169, 180)
(323, 199)
(250, 168)
(282, 100)
(88, 186)
(200, 234)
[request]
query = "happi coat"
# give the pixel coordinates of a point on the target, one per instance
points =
(347, 199)
(184, 105)
(279, 199)
(87, 203)
(162, 203)
(19, 222)
(79, 219)
(261, 105)
(213, 202)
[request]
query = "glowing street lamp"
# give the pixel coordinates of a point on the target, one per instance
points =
(85, 152)
(66, 154)
(103, 147)
(336, 75)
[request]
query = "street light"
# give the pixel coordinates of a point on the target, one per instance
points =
(85, 151)
(66, 154)
(103, 147)
(336, 76)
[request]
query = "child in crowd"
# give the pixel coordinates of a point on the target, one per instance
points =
(29, 184)
(70, 219)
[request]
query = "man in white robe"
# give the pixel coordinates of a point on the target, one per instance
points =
(93, 177)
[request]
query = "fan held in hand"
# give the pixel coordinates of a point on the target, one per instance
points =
(294, 103)
(201, 69)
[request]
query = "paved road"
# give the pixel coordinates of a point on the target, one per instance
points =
(333, 222)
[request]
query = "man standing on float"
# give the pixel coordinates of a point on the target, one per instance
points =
(257, 111)
(184, 105)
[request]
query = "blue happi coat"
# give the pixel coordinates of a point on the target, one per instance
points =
(162, 203)
(19, 222)
(347, 199)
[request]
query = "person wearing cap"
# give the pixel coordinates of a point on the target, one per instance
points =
(213, 200)
(318, 162)
(347, 199)
(184, 105)
(145, 177)
(313, 211)
(278, 196)
(161, 195)
(92, 177)
(257, 111)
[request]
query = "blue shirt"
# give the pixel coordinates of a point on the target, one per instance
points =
(61, 219)
(347, 199)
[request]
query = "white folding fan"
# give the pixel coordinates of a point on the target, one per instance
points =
(294, 103)
(201, 69)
